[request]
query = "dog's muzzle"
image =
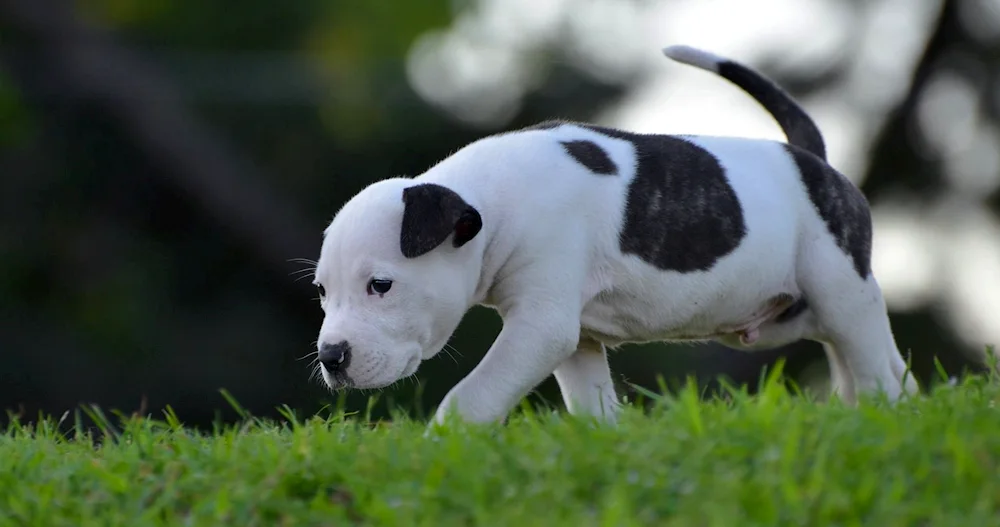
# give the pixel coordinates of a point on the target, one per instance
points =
(335, 357)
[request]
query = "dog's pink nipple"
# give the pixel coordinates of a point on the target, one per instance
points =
(749, 336)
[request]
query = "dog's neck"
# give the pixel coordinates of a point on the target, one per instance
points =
(490, 250)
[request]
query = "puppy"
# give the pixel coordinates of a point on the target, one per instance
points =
(584, 237)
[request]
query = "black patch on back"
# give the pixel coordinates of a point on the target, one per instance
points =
(793, 310)
(842, 206)
(432, 213)
(681, 213)
(591, 155)
(798, 127)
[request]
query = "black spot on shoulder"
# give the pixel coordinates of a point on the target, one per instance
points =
(681, 215)
(591, 155)
(842, 206)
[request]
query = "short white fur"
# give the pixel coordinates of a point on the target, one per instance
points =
(548, 260)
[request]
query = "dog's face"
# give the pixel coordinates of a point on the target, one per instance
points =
(396, 274)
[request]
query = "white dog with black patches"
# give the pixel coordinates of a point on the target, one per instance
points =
(584, 237)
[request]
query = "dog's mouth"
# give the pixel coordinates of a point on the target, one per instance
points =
(338, 380)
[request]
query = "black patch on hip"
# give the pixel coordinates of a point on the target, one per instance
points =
(591, 155)
(681, 213)
(842, 206)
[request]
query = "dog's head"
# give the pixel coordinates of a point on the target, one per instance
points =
(396, 274)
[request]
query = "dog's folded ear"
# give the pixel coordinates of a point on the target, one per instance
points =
(432, 213)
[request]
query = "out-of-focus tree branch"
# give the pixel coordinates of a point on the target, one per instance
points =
(56, 46)
(891, 162)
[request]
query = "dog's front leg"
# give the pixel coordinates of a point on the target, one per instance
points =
(532, 343)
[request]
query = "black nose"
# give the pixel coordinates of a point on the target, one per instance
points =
(335, 356)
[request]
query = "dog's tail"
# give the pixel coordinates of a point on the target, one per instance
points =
(798, 127)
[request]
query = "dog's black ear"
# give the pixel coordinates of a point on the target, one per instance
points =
(431, 213)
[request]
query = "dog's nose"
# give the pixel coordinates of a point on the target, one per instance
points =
(334, 356)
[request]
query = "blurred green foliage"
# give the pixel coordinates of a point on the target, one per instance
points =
(120, 285)
(772, 459)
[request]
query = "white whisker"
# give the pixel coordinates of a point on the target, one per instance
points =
(303, 273)
(450, 354)
(450, 351)
(307, 355)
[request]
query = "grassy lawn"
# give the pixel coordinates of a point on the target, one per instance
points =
(771, 459)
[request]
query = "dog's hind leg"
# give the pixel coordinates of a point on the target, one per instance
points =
(910, 386)
(787, 329)
(585, 382)
(841, 381)
(854, 328)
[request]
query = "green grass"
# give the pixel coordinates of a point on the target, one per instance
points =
(770, 459)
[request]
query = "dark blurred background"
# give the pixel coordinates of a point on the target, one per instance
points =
(163, 164)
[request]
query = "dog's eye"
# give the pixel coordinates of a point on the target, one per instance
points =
(322, 292)
(378, 286)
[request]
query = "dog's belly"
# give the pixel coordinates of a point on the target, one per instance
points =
(617, 319)
(646, 305)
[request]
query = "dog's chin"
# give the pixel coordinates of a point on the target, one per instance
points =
(341, 383)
